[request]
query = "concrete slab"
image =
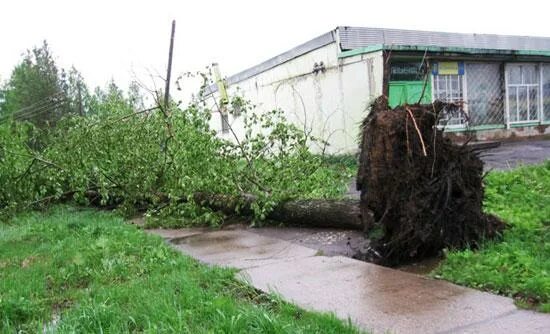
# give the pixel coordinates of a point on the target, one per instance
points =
(514, 322)
(375, 297)
(240, 249)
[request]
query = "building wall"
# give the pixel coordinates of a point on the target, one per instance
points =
(329, 104)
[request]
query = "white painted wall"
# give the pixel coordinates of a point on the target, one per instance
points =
(331, 104)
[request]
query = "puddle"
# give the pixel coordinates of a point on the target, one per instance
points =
(423, 267)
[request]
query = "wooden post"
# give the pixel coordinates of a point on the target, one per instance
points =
(80, 110)
(386, 73)
(169, 69)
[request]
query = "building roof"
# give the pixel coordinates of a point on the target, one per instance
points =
(364, 38)
(361, 37)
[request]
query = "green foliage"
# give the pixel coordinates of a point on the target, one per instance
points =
(157, 160)
(519, 264)
(92, 272)
(39, 91)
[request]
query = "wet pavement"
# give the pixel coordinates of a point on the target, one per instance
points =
(513, 154)
(294, 264)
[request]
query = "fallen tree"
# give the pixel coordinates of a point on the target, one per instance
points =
(424, 192)
(335, 213)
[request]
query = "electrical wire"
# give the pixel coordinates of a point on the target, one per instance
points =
(28, 110)
(36, 112)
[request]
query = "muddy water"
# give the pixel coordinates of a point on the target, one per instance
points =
(423, 267)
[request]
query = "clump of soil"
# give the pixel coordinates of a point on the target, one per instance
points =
(423, 192)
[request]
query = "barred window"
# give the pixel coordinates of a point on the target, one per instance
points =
(450, 88)
(546, 92)
(485, 94)
(522, 92)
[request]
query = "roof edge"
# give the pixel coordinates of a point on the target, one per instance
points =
(311, 45)
(432, 48)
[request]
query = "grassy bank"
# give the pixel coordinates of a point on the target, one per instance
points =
(519, 264)
(69, 270)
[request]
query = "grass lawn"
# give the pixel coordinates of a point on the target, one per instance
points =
(90, 272)
(519, 264)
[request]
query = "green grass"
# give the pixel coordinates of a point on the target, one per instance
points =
(94, 273)
(518, 265)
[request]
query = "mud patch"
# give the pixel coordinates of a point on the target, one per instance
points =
(424, 192)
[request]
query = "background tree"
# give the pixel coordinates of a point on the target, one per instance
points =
(40, 92)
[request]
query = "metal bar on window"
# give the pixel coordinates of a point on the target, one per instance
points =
(517, 103)
(541, 94)
(528, 95)
(506, 93)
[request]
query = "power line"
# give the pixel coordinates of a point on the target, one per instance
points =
(41, 106)
(46, 99)
(39, 111)
(35, 106)
(32, 112)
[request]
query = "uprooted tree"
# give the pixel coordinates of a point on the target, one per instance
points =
(421, 191)
(418, 189)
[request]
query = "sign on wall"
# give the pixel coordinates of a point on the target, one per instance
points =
(406, 71)
(448, 68)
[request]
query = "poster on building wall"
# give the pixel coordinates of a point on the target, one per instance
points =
(448, 68)
(406, 71)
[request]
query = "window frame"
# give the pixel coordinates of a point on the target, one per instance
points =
(540, 91)
(464, 87)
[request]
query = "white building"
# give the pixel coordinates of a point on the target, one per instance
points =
(326, 84)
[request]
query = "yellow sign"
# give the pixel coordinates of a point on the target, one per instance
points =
(448, 67)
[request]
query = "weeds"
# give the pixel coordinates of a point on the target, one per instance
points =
(519, 264)
(94, 273)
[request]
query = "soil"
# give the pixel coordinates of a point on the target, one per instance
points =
(423, 192)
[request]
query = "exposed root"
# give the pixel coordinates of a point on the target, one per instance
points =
(424, 196)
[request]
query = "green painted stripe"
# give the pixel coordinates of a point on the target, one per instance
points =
(522, 125)
(378, 47)
(360, 51)
(477, 128)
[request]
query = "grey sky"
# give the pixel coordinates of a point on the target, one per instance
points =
(114, 39)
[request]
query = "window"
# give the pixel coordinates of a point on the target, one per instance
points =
(225, 122)
(522, 92)
(485, 94)
(450, 88)
(546, 92)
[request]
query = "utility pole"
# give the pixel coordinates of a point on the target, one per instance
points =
(80, 110)
(169, 69)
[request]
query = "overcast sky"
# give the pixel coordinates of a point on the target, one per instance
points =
(114, 39)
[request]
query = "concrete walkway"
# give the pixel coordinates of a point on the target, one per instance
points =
(375, 298)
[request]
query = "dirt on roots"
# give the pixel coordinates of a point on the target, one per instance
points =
(423, 193)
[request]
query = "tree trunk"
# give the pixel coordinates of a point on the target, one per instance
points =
(345, 213)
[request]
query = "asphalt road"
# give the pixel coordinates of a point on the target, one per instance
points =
(513, 154)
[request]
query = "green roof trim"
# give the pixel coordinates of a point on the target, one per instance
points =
(360, 51)
(379, 47)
